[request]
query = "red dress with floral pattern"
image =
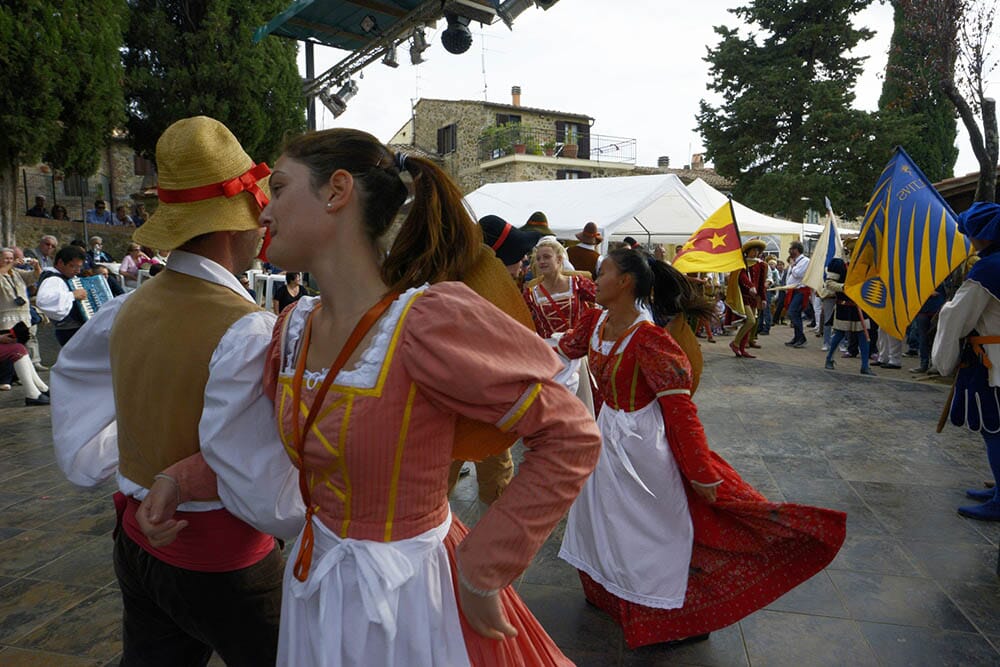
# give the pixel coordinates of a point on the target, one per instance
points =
(746, 551)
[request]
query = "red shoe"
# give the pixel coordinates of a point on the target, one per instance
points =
(736, 350)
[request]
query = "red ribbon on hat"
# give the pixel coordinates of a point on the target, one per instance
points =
(503, 237)
(245, 182)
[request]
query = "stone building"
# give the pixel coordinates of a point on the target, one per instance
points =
(479, 142)
(121, 178)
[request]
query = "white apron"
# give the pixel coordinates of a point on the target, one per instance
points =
(376, 604)
(630, 528)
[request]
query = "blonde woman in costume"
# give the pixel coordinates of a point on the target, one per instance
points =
(557, 299)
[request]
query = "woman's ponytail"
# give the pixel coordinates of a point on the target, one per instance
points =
(438, 240)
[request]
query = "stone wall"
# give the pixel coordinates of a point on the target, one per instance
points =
(27, 232)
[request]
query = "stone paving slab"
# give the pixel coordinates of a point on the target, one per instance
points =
(915, 584)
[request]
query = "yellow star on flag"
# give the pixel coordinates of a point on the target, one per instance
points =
(688, 245)
(718, 240)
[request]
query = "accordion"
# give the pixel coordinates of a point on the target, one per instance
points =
(98, 293)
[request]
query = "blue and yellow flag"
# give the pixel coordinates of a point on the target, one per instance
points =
(909, 243)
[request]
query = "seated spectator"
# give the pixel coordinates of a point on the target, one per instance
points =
(38, 210)
(246, 285)
(45, 252)
(140, 215)
(96, 254)
(59, 212)
(122, 218)
(36, 392)
(131, 263)
(116, 287)
(99, 215)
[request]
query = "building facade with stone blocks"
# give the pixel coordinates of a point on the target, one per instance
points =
(479, 142)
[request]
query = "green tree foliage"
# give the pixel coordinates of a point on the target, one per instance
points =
(925, 107)
(188, 58)
(60, 86)
(785, 129)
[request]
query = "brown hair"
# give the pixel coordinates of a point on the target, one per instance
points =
(438, 240)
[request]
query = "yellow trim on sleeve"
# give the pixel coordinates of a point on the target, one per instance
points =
(398, 462)
(523, 403)
(635, 382)
(672, 392)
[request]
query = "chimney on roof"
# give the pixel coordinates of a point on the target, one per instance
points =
(698, 161)
(663, 161)
(515, 96)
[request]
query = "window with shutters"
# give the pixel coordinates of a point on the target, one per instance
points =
(571, 174)
(574, 133)
(447, 139)
(508, 119)
(75, 185)
(143, 167)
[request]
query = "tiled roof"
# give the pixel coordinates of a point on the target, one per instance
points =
(510, 107)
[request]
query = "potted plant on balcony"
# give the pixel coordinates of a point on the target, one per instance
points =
(549, 147)
(532, 145)
(497, 141)
(520, 145)
(570, 148)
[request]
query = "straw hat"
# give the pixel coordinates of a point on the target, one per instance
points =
(538, 224)
(207, 183)
(754, 243)
(590, 234)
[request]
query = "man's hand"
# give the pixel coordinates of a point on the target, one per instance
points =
(485, 615)
(80, 294)
(155, 514)
(7, 338)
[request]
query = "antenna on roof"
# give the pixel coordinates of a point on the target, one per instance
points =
(485, 84)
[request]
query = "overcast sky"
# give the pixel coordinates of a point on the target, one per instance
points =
(638, 69)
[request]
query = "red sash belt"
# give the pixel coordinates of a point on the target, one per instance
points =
(214, 541)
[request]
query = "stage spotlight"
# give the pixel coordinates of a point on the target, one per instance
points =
(456, 38)
(337, 102)
(418, 46)
(390, 59)
(511, 9)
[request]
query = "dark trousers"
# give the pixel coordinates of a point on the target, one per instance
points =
(795, 315)
(922, 324)
(63, 335)
(764, 321)
(174, 617)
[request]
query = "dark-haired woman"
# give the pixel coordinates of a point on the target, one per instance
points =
(668, 539)
(368, 381)
(288, 293)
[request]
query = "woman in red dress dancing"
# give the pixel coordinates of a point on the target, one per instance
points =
(668, 539)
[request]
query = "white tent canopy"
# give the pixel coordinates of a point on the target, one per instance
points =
(748, 220)
(656, 208)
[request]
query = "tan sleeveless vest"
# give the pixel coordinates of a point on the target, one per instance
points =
(161, 344)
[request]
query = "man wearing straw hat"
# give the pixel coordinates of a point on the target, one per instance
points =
(217, 585)
(584, 256)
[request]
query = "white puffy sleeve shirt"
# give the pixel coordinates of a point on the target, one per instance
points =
(973, 307)
(239, 437)
(54, 298)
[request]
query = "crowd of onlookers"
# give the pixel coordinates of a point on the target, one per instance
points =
(99, 215)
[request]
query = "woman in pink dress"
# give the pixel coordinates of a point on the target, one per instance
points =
(668, 539)
(369, 381)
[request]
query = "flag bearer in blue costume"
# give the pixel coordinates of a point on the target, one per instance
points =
(968, 336)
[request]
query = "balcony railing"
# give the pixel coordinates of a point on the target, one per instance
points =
(503, 140)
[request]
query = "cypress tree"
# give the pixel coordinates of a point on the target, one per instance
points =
(196, 57)
(785, 131)
(926, 108)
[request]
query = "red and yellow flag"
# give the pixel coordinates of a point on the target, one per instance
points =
(715, 247)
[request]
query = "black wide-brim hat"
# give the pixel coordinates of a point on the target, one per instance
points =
(508, 242)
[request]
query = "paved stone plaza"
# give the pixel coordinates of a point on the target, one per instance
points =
(915, 584)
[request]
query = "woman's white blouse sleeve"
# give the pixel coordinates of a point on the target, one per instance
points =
(239, 437)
